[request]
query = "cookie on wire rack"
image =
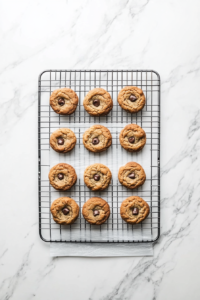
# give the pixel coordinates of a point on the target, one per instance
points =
(96, 211)
(131, 99)
(62, 176)
(134, 210)
(132, 175)
(132, 138)
(64, 101)
(64, 210)
(97, 138)
(97, 177)
(63, 140)
(98, 102)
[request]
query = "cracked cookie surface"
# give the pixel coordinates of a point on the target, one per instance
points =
(96, 211)
(98, 102)
(97, 138)
(62, 176)
(97, 177)
(132, 175)
(131, 99)
(64, 101)
(134, 210)
(64, 210)
(63, 140)
(132, 137)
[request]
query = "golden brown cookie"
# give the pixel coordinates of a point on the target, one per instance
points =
(134, 210)
(96, 211)
(62, 176)
(98, 102)
(63, 140)
(64, 101)
(132, 137)
(97, 177)
(132, 175)
(97, 138)
(131, 98)
(64, 210)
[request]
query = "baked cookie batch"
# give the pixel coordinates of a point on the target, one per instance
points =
(97, 138)
(98, 101)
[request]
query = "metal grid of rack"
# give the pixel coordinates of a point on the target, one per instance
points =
(115, 229)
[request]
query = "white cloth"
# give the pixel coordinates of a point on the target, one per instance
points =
(101, 249)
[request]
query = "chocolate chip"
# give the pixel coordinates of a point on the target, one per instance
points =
(60, 141)
(132, 98)
(135, 211)
(65, 211)
(96, 102)
(96, 212)
(60, 176)
(61, 101)
(132, 175)
(131, 139)
(96, 177)
(95, 141)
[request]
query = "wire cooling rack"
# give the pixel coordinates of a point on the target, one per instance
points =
(115, 229)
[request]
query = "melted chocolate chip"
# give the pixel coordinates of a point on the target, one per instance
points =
(60, 176)
(95, 141)
(131, 139)
(96, 102)
(60, 141)
(132, 175)
(132, 98)
(96, 212)
(65, 211)
(61, 101)
(96, 177)
(135, 211)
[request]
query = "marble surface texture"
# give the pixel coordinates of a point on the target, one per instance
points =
(106, 34)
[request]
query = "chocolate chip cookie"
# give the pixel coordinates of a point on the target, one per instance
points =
(62, 176)
(97, 138)
(63, 140)
(131, 99)
(64, 101)
(132, 137)
(97, 177)
(64, 210)
(98, 102)
(132, 175)
(134, 210)
(96, 211)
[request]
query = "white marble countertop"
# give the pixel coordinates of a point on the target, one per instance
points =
(106, 34)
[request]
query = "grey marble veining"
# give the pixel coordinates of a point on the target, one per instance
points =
(122, 34)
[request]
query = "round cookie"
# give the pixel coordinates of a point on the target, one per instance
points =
(132, 137)
(134, 210)
(98, 102)
(96, 211)
(132, 175)
(64, 101)
(64, 210)
(97, 138)
(131, 99)
(63, 140)
(97, 177)
(62, 176)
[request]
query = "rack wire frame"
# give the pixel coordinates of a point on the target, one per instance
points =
(113, 81)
